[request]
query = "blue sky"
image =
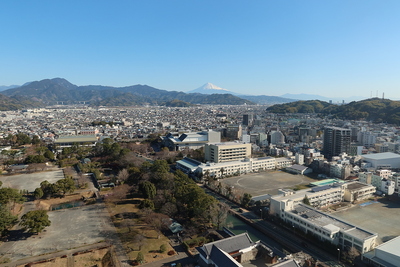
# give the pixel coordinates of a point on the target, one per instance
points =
(335, 48)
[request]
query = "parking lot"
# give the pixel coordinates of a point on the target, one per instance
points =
(30, 181)
(269, 182)
(382, 217)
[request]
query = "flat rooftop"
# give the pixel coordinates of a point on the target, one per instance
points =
(329, 222)
(378, 156)
(356, 185)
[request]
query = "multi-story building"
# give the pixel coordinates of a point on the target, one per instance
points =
(336, 141)
(331, 229)
(247, 119)
(176, 142)
(277, 137)
(289, 206)
(228, 151)
(387, 160)
(233, 131)
(237, 167)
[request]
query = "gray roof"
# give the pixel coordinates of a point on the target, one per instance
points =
(288, 263)
(298, 167)
(223, 259)
(76, 139)
(385, 155)
(230, 244)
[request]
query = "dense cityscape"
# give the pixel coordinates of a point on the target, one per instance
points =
(169, 186)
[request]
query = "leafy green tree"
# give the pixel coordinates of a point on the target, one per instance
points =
(35, 140)
(7, 220)
(306, 200)
(49, 155)
(147, 204)
(65, 185)
(38, 193)
(246, 199)
(35, 159)
(10, 196)
(23, 139)
(35, 221)
(160, 166)
(148, 189)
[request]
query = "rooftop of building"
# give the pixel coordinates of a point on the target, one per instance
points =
(189, 163)
(330, 223)
(380, 156)
(356, 185)
(76, 138)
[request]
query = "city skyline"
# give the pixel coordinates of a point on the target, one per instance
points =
(337, 49)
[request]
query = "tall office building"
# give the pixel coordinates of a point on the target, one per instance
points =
(247, 119)
(336, 141)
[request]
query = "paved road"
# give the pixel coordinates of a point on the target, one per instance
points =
(284, 236)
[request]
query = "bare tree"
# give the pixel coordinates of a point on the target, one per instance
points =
(140, 240)
(158, 222)
(123, 175)
(219, 213)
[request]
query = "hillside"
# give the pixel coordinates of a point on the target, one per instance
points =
(17, 102)
(52, 91)
(374, 109)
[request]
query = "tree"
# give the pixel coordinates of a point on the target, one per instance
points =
(306, 200)
(148, 189)
(7, 220)
(65, 185)
(158, 221)
(219, 213)
(163, 248)
(38, 193)
(123, 175)
(147, 204)
(49, 155)
(10, 196)
(35, 221)
(246, 199)
(140, 257)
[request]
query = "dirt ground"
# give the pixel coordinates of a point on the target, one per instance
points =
(382, 217)
(129, 225)
(268, 182)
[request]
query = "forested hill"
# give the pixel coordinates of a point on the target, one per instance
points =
(374, 109)
(52, 91)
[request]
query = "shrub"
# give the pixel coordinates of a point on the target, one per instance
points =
(163, 248)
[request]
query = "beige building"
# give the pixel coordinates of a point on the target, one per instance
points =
(237, 167)
(228, 151)
(289, 207)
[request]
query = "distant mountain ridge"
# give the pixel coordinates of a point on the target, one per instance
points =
(59, 90)
(376, 110)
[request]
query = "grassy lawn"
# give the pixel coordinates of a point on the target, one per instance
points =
(136, 236)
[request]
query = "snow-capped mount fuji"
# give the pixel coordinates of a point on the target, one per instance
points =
(209, 89)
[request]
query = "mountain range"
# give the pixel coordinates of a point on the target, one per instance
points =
(61, 91)
(210, 88)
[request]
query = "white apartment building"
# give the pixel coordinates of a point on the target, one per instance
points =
(238, 167)
(283, 163)
(299, 159)
(228, 151)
